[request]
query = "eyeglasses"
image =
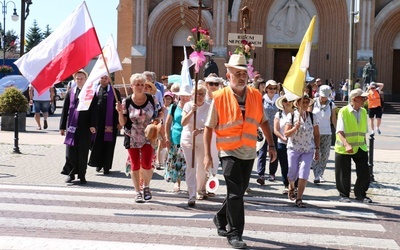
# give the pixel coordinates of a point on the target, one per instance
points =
(216, 84)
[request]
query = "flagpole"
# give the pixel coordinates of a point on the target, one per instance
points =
(123, 82)
(102, 54)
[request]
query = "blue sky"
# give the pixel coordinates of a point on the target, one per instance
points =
(54, 12)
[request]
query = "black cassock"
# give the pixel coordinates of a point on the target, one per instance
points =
(103, 151)
(76, 156)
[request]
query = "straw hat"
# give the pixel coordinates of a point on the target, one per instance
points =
(357, 92)
(214, 79)
(304, 97)
(153, 89)
(81, 71)
(279, 102)
(237, 61)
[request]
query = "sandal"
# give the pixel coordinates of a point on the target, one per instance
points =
(291, 195)
(139, 198)
(147, 194)
(300, 203)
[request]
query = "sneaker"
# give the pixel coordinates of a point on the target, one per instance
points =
(45, 126)
(365, 200)
(271, 177)
(69, 179)
(372, 132)
(139, 198)
(285, 190)
(345, 199)
(379, 131)
(317, 181)
(321, 179)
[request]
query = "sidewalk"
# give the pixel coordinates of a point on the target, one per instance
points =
(43, 155)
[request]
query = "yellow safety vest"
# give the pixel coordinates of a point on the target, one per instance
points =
(354, 131)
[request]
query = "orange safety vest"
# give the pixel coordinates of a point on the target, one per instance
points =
(234, 130)
(374, 99)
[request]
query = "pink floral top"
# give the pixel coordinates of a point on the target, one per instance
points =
(140, 116)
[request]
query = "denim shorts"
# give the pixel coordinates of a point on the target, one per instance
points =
(41, 106)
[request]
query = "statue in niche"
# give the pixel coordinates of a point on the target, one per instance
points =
(369, 72)
(292, 18)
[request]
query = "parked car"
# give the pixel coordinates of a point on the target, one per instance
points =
(21, 83)
(60, 93)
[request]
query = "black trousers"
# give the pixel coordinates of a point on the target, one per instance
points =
(237, 176)
(343, 173)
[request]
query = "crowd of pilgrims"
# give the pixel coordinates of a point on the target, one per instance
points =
(163, 125)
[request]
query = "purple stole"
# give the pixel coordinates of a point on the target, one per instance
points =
(108, 129)
(73, 118)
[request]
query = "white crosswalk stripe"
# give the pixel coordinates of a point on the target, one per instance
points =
(38, 214)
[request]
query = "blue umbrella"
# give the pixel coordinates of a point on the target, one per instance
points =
(16, 81)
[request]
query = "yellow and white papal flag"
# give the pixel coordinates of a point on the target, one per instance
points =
(295, 79)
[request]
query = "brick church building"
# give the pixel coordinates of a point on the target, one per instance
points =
(152, 33)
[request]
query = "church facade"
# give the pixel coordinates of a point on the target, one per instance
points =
(152, 33)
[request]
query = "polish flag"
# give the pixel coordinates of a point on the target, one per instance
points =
(68, 49)
(108, 60)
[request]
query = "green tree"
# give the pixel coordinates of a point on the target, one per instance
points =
(47, 32)
(34, 36)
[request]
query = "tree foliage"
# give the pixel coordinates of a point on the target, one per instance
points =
(34, 36)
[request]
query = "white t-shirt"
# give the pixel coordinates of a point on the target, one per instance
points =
(201, 116)
(282, 123)
(323, 114)
(43, 97)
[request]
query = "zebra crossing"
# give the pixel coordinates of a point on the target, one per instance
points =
(43, 217)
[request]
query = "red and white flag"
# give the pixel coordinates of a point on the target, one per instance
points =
(111, 59)
(68, 49)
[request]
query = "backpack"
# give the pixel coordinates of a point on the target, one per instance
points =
(173, 108)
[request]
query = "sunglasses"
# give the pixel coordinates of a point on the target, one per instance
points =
(216, 84)
(284, 100)
(271, 88)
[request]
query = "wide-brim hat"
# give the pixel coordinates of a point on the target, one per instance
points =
(214, 79)
(237, 61)
(153, 89)
(212, 184)
(304, 97)
(185, 90)
(357, 92)
(279, 102)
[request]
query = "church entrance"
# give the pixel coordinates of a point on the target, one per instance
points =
(282, 63)
(396, 76)
(177, 58)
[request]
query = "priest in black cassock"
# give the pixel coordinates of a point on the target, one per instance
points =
(103, 143)
(78, 128)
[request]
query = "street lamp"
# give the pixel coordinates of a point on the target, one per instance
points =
(14, 17)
